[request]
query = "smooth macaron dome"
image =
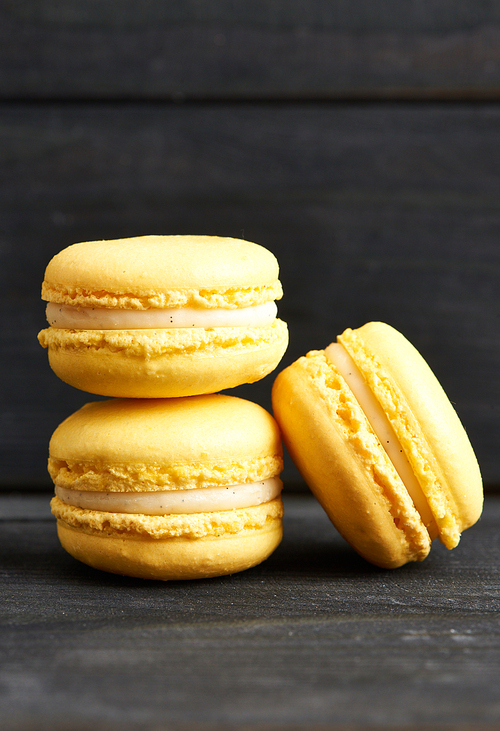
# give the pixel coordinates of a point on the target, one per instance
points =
(377, 440)
(168, 488)
(163, 316)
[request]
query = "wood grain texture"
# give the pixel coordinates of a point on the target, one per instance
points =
(313, 638)
(387, 212)
(92, 49)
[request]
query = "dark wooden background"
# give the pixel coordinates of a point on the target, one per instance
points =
(359, 141)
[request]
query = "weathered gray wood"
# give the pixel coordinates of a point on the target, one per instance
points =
(319, 49)
(374, 212)
(313, 638)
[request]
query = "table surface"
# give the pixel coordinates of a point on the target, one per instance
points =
(313, 638)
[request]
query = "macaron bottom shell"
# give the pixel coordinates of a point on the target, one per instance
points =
(341, 461)
(171, 559)
(164, 363)
(165, 549)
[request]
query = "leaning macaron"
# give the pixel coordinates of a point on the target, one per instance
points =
(168, 489)
(380, 445)
(163, 316)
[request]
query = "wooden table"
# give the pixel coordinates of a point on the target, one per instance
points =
(314, 638)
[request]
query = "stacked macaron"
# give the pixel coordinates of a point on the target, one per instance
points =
(168, 479)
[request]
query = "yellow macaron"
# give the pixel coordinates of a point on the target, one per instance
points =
(380, 445)
(184, 488)
(163, 316)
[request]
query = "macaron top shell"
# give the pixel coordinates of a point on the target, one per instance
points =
(425, 423)
(165, 444)
(163, 271)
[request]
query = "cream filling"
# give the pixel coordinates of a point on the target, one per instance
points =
(68, 317)
(382, 427)
(202, 500)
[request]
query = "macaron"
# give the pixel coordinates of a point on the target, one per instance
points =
(163, 316)
(168, 489)
(378, 442)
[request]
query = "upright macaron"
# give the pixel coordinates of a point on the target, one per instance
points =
(184, 488)
(163, 316)
(380, 445)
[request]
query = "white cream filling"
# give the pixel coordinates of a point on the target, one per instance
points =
(68, 317)
(382, 427)
(202, 500)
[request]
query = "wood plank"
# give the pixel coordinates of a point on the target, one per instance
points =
(190, 50)
(314, 638)
(387, 212)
